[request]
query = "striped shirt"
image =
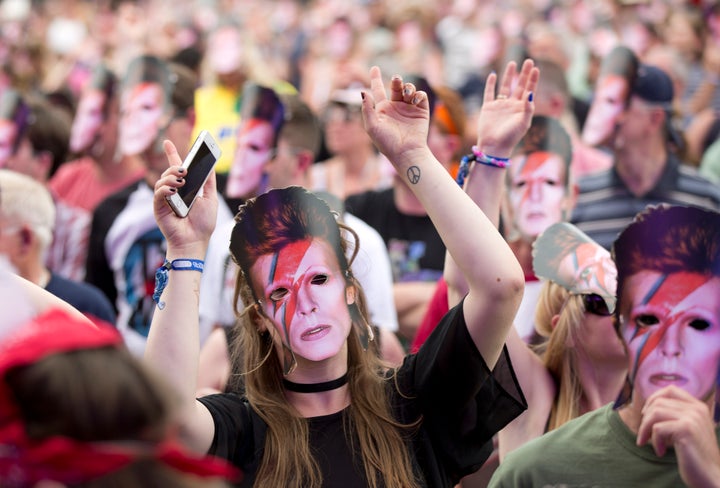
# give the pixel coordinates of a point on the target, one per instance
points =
(605, 205)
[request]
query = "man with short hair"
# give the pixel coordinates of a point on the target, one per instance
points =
(665, 431)
(645, 172)
(27, 220)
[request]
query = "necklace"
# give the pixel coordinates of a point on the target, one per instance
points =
(315, 387)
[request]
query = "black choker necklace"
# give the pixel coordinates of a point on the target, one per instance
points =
(315, 387)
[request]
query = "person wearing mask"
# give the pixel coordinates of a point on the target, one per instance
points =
(310, 374)
(645, 170)
(663, 429)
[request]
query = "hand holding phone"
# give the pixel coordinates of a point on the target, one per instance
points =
(199, 162)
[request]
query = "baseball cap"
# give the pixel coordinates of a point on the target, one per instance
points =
(653, 85)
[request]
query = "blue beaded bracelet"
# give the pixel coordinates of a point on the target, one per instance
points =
(161, 275)
(479, 157)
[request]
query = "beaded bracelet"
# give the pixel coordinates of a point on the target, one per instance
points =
(161, 275)
(479, 157)
(487, 160)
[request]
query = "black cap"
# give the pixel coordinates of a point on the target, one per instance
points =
(653, 85)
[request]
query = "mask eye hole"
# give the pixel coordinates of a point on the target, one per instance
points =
(278, 294)
(320, 279)
(646, 320)
(699, 324)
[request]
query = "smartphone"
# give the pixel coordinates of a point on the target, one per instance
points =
(199, 162)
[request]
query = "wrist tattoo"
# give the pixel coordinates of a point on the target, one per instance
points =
(413, 174)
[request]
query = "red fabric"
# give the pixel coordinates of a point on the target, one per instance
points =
(69, 461)
(24, 462)
(40, 338)
(437, 307)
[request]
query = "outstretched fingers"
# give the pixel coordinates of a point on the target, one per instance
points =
(173, 177)
(506, 82)
(490, 83)
(171, 153)
(376, 85)
(527, 80)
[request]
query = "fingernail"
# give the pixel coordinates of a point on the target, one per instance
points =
(416, 99)
(406, 91)
(179, 180)
(181, 170)
(172, 190)
(362, 95)
(530, 97)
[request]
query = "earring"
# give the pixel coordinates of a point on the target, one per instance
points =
(366, 335)
(289, 362)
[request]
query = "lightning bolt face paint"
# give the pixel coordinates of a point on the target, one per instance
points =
(672, 328)
(283, 300)
(584, 267)
(537, 191)
(304, 293)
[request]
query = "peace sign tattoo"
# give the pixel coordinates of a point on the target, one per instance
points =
(413, 174)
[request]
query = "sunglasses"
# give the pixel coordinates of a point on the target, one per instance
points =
(595, 304)
(340, 113)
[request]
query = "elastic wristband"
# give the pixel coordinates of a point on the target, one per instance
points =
(464, 169)
(487, 160)
(161, 275)
(482, 158)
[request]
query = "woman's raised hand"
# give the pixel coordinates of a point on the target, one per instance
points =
(505, 118)
(185, 236)
(397, 125)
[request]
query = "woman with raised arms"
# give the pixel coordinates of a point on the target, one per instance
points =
(319, 408)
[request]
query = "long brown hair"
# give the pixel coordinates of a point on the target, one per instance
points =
(265, 225)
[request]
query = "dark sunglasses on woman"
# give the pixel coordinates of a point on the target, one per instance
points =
(595, 304)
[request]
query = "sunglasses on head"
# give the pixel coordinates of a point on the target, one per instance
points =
(595, 304)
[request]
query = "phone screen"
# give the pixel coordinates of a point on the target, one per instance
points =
(197, 171)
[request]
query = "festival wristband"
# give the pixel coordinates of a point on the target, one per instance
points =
(161, 275)
(479, 157)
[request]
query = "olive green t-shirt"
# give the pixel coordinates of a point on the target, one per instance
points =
(595, 450)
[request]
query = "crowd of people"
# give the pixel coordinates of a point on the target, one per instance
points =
(456, 244)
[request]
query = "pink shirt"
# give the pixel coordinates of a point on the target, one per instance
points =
(78, 184)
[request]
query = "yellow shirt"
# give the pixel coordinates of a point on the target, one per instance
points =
(217, 111)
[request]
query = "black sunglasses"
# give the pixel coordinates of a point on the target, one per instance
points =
(595, 304)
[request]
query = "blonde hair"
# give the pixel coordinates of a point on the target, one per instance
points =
(559, 353)
(25, 201)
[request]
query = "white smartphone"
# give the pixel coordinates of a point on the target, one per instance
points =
(199, 162)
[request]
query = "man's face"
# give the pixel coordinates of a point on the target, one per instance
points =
(608, 103)
(671, 324)
(538, 192)
(283, 168)
(141, 117)
(88, 120)
(253, 151)
(344, 128)
(634, 124)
